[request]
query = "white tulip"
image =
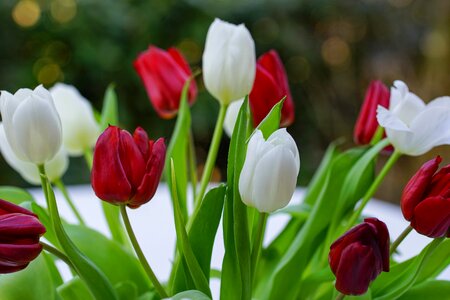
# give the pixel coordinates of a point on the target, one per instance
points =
(229, 61)
(32, 124)
(269, 176)
(80, 130)
(412, 126)
(55, 168)
(231, 116)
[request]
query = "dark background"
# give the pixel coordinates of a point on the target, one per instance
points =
(331, 50)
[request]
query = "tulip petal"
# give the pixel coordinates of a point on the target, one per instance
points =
(132, 160)
(8, 207)
(282, 137)
(20, 225)
(432, 217)
(443, 102)
(141, 139)
(383, 242)
(389, 120)
(19, 254)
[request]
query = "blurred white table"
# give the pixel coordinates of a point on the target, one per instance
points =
(154, 227)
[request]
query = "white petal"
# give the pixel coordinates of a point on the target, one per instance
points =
(282, 137)
(389, 120)
(231, 116)
(408, 108)
(440, 102)
(398, 91)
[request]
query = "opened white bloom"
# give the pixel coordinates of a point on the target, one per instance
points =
(55, 168)
(80, 130)
(412, 126)
(32, 124)
(229, 61)
(231, 116)
(269, 175)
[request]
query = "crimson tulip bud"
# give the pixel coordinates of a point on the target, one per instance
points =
(426, 200)
(366, 124)
(20, 231)
(271, 85)
(126, 168)
(359, 256)
(164, 74)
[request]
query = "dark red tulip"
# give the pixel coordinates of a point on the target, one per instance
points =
(126, 168)
(20, 231)
(426, 200)
(359, 256)
(271, 85)
(366, 124)
(164, 74)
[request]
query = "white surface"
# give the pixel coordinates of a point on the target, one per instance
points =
(155, 230)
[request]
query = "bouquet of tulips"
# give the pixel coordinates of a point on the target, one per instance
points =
(327, 250)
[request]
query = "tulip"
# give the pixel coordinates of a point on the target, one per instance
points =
(359, 256)
(366, 125)
(20, 231)
(426, 200)
(229, 62)
(164, 74)
(55, 168)
(127, 169)
(32, 124)
(80, 130)
(412, 126)
(271, 85)
(269, 176)
(231, 116)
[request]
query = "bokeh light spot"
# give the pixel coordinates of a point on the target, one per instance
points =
(63, 10)
(435, 45)
(26, 13)
(49, 74)
(335, 51)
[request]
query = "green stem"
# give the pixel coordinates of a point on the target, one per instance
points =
(57, 253)
(60, 185)
(192, 164)
(89, 158)
(340, 296)
(400, 239)
(377, 136)
(159, 288)
(257, 243)
(210, 161)
(369, 194)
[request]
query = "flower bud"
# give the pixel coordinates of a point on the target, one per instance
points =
(20, 231)
(126, 168)
(359, 256)
(426, 200)
(164, 74)
(32, 124)
(231, 116)
(269, 176)
(80, 130)
(271, 85)
(366, 124)
(55, 168)
(229, 62)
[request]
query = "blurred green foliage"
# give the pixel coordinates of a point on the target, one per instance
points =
(331, 50)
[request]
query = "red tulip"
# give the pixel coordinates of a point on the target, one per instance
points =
(270, 86)
(20, 231)
(164, 74)
(359, 256)
(126, 168)
(367, 124)
(426, 200)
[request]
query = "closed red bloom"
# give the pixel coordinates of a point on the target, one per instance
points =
(271, 85)
(126, 168)
(164, 74)
(20, 231)
(426, 200)
(359, 256)
(367, 124)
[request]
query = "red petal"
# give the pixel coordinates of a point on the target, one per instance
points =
(415, 189)
(8, 207)
(20, 226)
(383, 242)
(108, 177)
(432, 217)
(5, 269)
(132, 160)
(141, 139)
(440, 185)
(18, 254)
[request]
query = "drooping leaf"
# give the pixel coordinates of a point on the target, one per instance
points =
(190, 295)
(15, 195)
(272, 121)
(432, 289)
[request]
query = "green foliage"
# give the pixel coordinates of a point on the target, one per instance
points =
(190, 295)
(15, 195)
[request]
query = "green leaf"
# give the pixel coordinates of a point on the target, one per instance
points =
(190, 295)
(44, 218)
(75, 289)
(300, 211)
(271, 122)
(15, 195)
(433, 289)
(177, 150)
(183, 244)
(202, 235)
(110, 111)
(33, 283)
(53, 270)
(126, 290)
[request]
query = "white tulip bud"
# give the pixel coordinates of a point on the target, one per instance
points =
(412, 126)
(269, 176)
(55, 168)
(231, 116)
(80, 130)
(229, 61)
(32, 124)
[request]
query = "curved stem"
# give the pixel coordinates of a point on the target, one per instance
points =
(400, 239)
(257, 243)
(60, 185)
(57, 253)
(340, 296)
(369, 194)
(159, 288)
(192, 164)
